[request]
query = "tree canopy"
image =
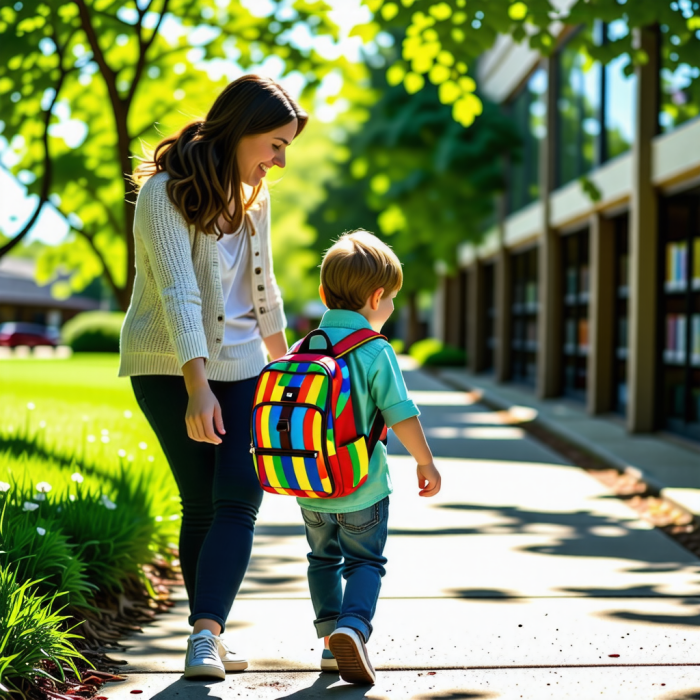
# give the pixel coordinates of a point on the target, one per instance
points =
(444, 38)
(84, 84)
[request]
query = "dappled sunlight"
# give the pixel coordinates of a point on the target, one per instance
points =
(444, 398)
(482, 433)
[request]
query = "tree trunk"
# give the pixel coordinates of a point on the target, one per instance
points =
(413, 328)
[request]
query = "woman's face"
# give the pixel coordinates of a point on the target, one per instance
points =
(257, 154)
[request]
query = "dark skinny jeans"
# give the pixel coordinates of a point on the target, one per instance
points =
(218, 487)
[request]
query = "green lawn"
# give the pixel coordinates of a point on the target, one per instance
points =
(77, 407)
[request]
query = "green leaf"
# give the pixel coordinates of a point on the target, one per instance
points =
(413, 82)
(517, 11)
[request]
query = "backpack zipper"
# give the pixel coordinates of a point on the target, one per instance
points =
(274, 452)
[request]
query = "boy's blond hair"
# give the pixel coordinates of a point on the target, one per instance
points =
(355, 266)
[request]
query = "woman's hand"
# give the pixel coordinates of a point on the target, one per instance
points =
(203, 409)
(203, 415)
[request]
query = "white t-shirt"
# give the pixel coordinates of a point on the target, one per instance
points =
(234, 263)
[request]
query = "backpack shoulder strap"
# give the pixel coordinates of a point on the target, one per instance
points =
(355, 340)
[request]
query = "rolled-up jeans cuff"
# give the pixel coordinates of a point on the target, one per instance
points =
(207, 616)
(358, 623)
(325, 626)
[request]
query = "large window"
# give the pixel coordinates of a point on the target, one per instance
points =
(679, 83)
(575, 311)
(578, 112)
(619, 97)
(595, 105)
(528, 110)
(524, 308)
(679, 317)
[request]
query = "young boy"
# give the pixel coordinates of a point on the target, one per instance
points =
(360, 277)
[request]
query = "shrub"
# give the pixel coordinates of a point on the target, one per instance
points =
(94, 331)
(433, 353)
(33, 633)
(398, 345)
(36, 549)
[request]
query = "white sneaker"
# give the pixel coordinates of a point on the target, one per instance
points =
(328, 662)
(202, 660)
(350, 652)
(231, 661)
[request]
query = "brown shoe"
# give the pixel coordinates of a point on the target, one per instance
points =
(350, 652)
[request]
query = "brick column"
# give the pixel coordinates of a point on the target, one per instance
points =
(503, 315)
(476, 317)
(644, 247)
(600, 314)
(549, 288)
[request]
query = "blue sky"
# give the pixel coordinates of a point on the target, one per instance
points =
(16, 207)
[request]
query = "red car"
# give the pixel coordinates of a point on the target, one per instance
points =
(32, 334)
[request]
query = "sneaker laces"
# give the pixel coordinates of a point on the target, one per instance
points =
(205, 646)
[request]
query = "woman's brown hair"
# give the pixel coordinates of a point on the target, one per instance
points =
(201, 158)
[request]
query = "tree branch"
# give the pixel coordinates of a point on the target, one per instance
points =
(90, 238)
(144, 46)
(47, 175)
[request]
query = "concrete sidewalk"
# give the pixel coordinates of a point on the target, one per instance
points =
(523, 578)
(669, 464)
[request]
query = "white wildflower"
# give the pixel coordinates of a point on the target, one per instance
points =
(31, 406)
(107, 503)
(130, 458)
(91, 438)
(78, 478)
(43, 487)
(159, 518)
(104, 431)
(71, 496)
(39, 496)
(30, 506)
(143, 445)
(86, 419)
(128, 414)
(174, 517)
(42, 424)
(150, 458)
(122, 453)
(4, 486)
(104, 439)
(41, 531)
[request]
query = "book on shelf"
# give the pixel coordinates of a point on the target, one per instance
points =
(531, 293)
(571, 281)
(696, 263)
(583, 334)
(676, 266)
(695, 339)
(570, 332)
(675, 338)
(585, 280)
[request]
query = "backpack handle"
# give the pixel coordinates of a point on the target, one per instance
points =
(306, 343)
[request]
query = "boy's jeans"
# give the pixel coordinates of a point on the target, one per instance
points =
(348, 545)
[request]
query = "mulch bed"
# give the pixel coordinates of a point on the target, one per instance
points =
(102, 629)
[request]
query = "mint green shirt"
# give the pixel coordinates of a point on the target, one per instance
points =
(376, 382)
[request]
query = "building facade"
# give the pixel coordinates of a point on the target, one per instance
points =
(588, 286)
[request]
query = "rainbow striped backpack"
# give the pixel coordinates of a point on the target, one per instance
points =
(304, 440)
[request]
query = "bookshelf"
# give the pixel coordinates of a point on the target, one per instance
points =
(679, 314)
(524, 309)
(576, 271)
(620, 322)
(490, 321)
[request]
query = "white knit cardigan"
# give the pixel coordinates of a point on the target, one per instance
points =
(177, 306)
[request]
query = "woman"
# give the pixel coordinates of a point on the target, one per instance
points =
(205, 301)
